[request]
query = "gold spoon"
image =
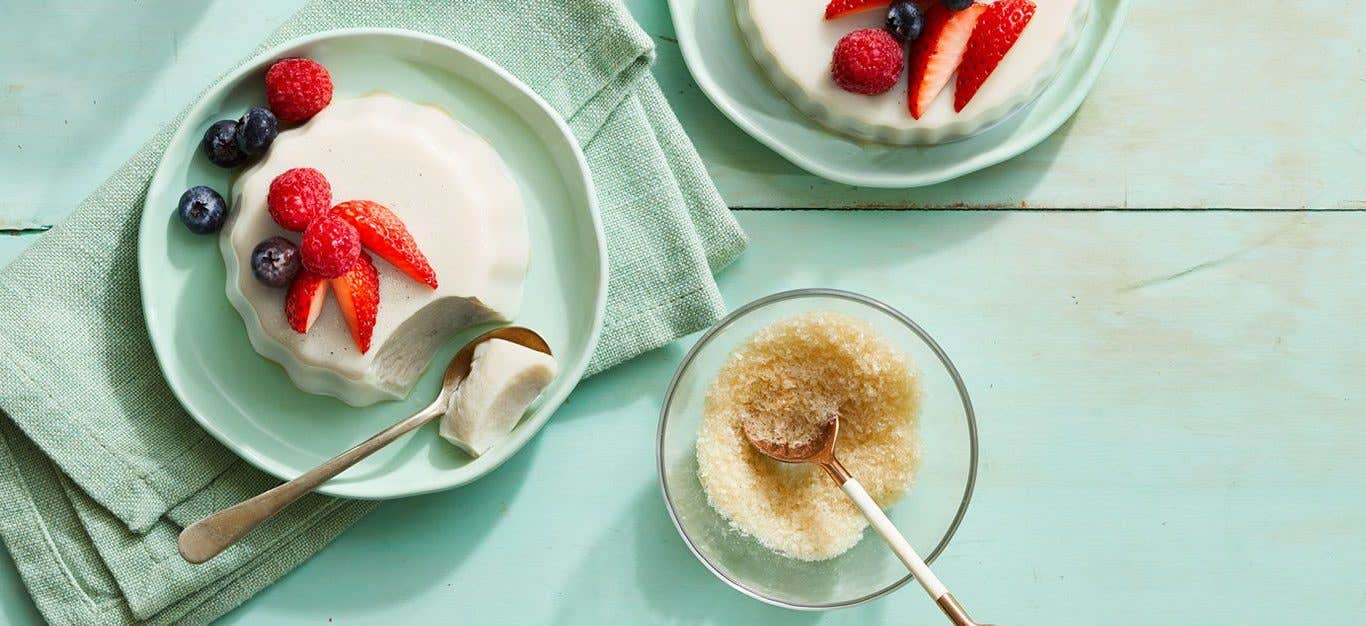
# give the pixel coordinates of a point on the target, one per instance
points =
(206, 538)
(821, 451)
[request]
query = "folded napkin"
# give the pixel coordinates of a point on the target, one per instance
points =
(100, 467)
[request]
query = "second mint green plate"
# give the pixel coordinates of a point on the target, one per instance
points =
(722, 66)
(246, 401)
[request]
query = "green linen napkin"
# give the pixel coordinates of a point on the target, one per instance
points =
(99, 465)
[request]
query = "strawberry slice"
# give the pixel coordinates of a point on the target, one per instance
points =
(996, 32)
(358, 295)
(304, 302)
(384, 234)
(938, 52)
(840, 8)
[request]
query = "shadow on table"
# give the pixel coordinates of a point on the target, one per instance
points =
(16, 607)
(871, 251)
(746, 169)
(1008, 182)
(646, 377)
(390, 549)
(670, 584)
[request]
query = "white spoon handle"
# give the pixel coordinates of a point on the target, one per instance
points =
(903, 549)
(893, 537)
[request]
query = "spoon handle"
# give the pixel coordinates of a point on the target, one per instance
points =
(206, 538)
(884, 527)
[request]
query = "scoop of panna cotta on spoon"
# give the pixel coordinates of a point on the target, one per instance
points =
(505, 377)
(506, 370)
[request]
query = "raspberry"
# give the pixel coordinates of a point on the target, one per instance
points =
(297, 196)
(330, 246)
(867, 61)
(297, 89)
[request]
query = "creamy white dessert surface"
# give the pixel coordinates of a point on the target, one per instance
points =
(457, 199)
(504, 379)
(793, 43)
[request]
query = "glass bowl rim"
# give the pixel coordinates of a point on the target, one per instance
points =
(794, 294)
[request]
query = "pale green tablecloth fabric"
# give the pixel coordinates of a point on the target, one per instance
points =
(99, 465)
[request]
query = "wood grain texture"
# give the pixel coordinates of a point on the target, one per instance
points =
(1170, 409)
(1170, 402)
(1202, 105)
(84, 84)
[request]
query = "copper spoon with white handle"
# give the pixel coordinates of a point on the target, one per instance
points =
(206, 538)
(821, 451)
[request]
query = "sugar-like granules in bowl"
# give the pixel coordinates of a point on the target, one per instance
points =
(815, 361)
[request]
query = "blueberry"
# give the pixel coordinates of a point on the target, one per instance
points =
(256, 130)
(957, 5)
(202, 210)
(220, 144)
(905, 20)
(275, 262)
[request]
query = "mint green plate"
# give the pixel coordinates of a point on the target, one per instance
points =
(722, 66)
(246, 401)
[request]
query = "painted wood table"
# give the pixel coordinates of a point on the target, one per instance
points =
(1170, 401)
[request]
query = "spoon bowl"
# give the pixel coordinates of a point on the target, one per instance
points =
(817, 449)
(820, 450)
(210, 536)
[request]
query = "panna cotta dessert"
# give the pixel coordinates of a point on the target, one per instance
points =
(921, 72)
(419, 231)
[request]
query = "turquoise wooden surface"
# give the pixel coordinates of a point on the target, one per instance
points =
(1170, 402)
(1170, 409)
(1202, 105)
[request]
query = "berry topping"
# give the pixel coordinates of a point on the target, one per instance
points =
(275, 262)
(304, 302)
(358, 296)
(905, 20)
(867, 61)
(384, 234)
(297, 89)
(840, 8)
(220, 144)
(297, 196)
(330, 246)
(997, 31)
(937, 53)
(202, 210)
(957, 5)
(256, 130)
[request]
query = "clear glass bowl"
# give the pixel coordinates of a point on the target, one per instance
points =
(927, 514)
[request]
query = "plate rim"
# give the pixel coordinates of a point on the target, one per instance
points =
(147, 225)
(816, 165)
